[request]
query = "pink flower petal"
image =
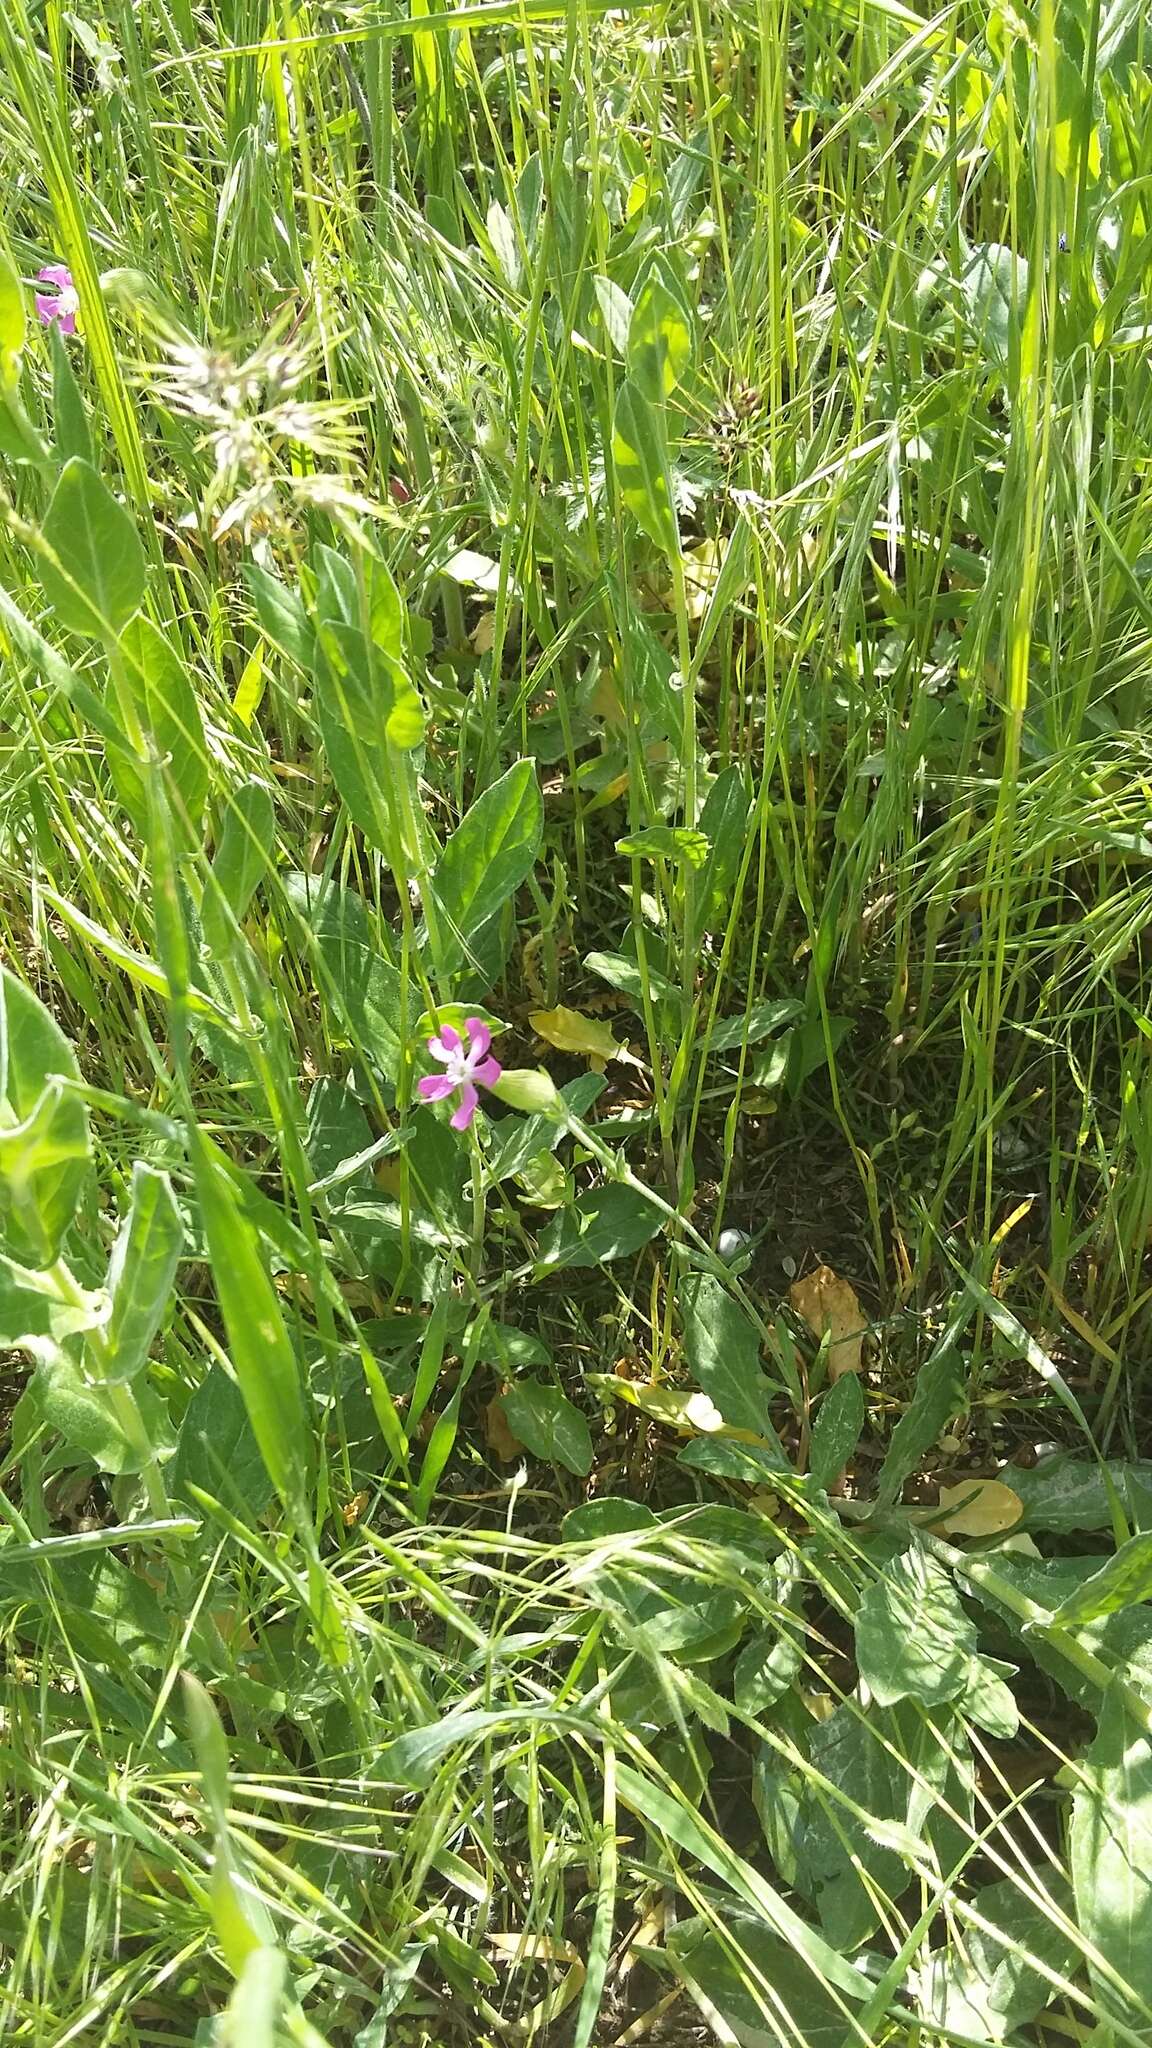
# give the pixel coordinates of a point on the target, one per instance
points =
(57, 274)
(434, 1087)
(488, 1072)
(479, 1034)
(469, 1099)
(47, 307)
(67, 323)
(447, 1045)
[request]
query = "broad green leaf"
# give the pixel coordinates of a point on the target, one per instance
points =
(640, 458)
(754, 1464)
(411, 1759)
(1124, 1581)
(1110, 1844)
(171, 711)
(549, 1426)
(338, 1131)
(985, 1985)
(995, 289)
(356, 684)
(897, 1770)
(768, 1664)
(505, 247)
(989, 1700)
(70, 433)
(515, 1143)
(761, 1021)
(367, 679)
(724, 823)
(723, 1351)
(282, 617)
(594, 1521)
(35, 1316)
(100, 581)
(836, 1430)
(615, 311)
(1064, 1494)
(44, 1144)
(245, 855)
(217, 1450)
(264, 1361)
(359, 771)
(487, 857)
(607, 1223)
(624, 974)
(773, 1658)
(70, 1403)
(913, 1638)
(111, 1614)
(13, 319)
(659, 345)
(681, 844)
(763, 1992)
(940, 1394)
(512, 1350)
(141, 1272)
(356, 979)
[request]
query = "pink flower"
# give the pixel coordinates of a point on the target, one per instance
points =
(64, 303)
(466, 1061)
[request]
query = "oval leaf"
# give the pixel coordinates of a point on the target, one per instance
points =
(141, 1271)
(99, 582)
(608, 1223)
(487, 858)
(44, 1146)
(548, 1425)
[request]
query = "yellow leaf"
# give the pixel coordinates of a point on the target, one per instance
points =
(693, 1413)
(978, 1507)
(828, 1303)
(568, 1031)
(250, 688)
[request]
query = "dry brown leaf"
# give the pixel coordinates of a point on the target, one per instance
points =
(828, 1303)
(978, 1507)
(498, 1435)
(569, 1031)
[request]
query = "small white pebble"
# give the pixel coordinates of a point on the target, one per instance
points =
(731, 1243)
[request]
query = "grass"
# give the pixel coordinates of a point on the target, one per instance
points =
(633, 525)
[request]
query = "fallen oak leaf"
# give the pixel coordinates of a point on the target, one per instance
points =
(830, 1306)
